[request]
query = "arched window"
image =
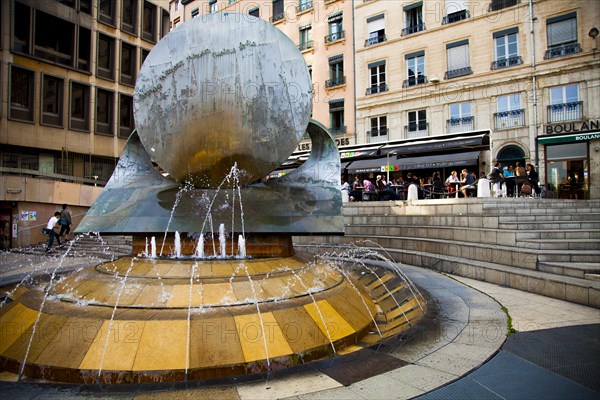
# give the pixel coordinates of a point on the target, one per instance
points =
(509, 155)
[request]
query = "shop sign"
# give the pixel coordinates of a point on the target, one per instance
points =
(572, 127)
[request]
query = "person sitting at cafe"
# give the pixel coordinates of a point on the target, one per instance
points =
(437, 186)
(496, 178)
(450, 181)
(383, 191)
(509, 176)
(467, 183)
(521, 177)
(356, 193)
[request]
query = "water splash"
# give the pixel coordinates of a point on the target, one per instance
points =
(153, 247)
(177, 245)
(200, 247)
(241, 247)
(222, 241)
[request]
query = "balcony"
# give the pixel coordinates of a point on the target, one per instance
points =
(496, 5)
(507, 62)
(304, 6)
(564, 50)
(377, 135)
(455, 73)
(338, 130)
(305, 45)
(375, 40)
(413, 29)
(415, 81)
(339, 81)
(382, 87)
(509, 119)
(332, 37)
(416, 130)
(455, 17)
(572, 111)
(277, 17)
(464, 124)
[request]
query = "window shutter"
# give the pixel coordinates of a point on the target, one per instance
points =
(377, 25)
(453, 6)
(564, 31)
(458, 57)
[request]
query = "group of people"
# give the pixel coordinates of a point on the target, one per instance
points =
(517, 180)
(60, 219)
(465, 183)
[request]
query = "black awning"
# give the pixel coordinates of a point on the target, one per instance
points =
(369, 165)
(436, 161)
(428, 145)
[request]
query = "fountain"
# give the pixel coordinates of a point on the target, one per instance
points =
(220, 102)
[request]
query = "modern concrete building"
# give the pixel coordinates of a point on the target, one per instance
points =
(323, 32)
(451, 84)
(67, 76)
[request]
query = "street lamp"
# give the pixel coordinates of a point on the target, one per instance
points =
(388, 166)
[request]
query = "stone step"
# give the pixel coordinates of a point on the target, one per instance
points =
(548, 218)
(556, 225)
(559, 234)
(560, 244)
(576, 270)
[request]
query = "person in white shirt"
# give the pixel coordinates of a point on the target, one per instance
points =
(51, 232)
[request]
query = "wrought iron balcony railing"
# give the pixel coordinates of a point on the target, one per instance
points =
(338, 130)
(572, 111)
(337, 81)
(496, 5)
(277, 17)
(464, 124)
(375, 39)
(375, 133)
(304, 6)
(413, 29)
(458, 72)
(563, 50)
(382, 87)
(305, 45)
(332, 37)
(509, 119)
(455, 17)
(507, 62)
(414, 81)
(416, 129)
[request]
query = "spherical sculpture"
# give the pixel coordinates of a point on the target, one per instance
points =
(201, 104)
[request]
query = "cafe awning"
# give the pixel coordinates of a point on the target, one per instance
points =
(369, 165)
(437, 161)
(571, 138)
(438, 144)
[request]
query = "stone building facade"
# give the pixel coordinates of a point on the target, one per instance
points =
(67, 76)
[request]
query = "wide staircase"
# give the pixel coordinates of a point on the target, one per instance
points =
(89, 245)
(549, 247)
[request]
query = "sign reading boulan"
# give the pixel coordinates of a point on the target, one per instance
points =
(572, 127)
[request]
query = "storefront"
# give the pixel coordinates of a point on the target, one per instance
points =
(567, 161)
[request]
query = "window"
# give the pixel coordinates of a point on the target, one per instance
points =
(306, 41)
(106, 57)
(456, 10)
(129, 16)
(336, 116)
(104, 112)
(379, 129)
(278, 12)
(458, 59)
(80, 102)
(126, 124)
(510, 114)
(144, 54)
(20, 159)
(377, 78)
(195, 12)
(165, 23)
(99, 168)
(52, 100)
(212, 6)
(106, 11)
(54, 39)
(496, 5)
(335, 27)
(21, 94)
(85, 48)
(417, 123)
(149, 22)
(562, 36)
(336, 71)
(255, 12)
(415, 68)
(304, 5)
(461, 119)
(413, 19)
(376, 30)
(506, 47)
(22, 29)
(128, 64)
(565, 104)
(176, 5)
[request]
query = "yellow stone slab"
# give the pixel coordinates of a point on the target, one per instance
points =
(274, 287)
(354, 312)
(381, 281)
(153, 296)
(46, 332)
(179, 271)
(222, 269)
(160, 268)
(119, 350)
(251, 330)
(384, 292)
(180, 296)
(323, 313)
(162, 346)
(402, 310)
(14, 323)
(243, 291)
(300, 330)
(218, 294)
(215, 342)
(68, 349)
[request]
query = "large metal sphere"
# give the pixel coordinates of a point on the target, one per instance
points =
(222, 89)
